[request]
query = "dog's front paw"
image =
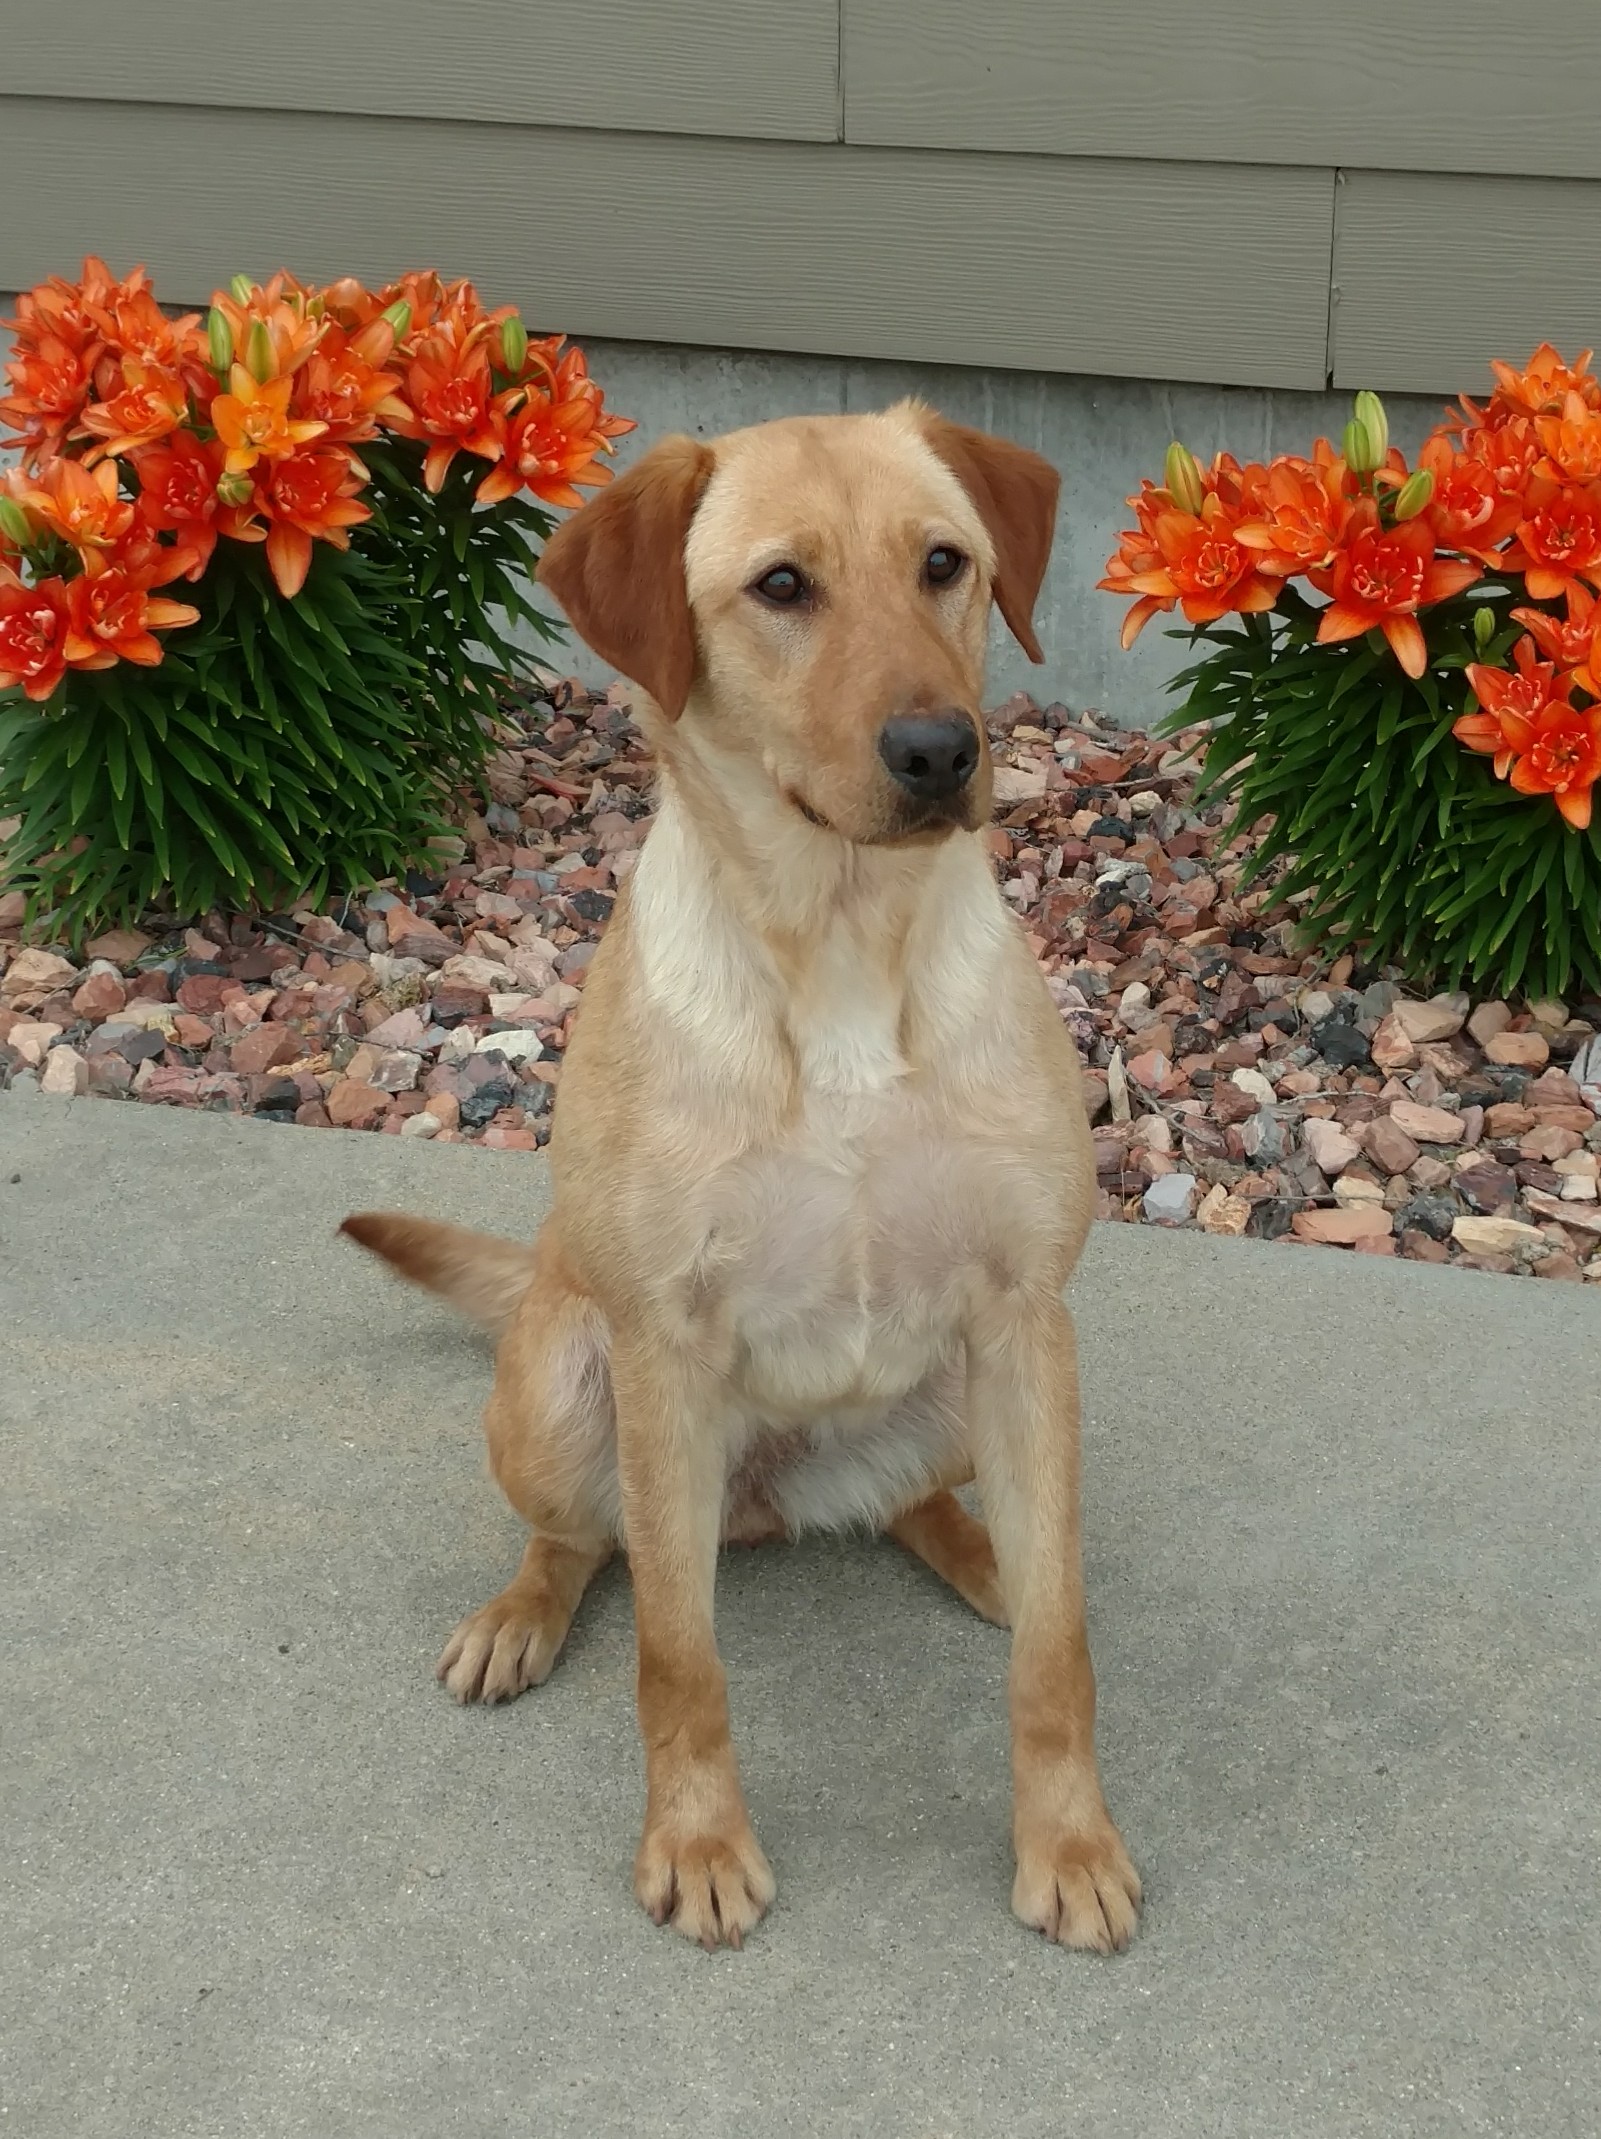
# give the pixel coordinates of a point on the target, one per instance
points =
(1078, 1886)
(712, 1886)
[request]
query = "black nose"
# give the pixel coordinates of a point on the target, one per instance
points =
(931, 755)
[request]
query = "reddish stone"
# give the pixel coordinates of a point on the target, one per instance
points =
(193, 1032)
(152, 987)
(454, 1000)
(110, 1076)
(99, 996)
(313, 1115)
(262, 1048)
(356, 1106)
(1343, 1228)
(168, 1086)
(202, 992)
(1507, 1119)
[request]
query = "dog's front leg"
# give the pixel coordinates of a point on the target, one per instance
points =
(699, 1866)
(1074, 1878)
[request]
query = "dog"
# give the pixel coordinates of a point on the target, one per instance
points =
(821, 1163)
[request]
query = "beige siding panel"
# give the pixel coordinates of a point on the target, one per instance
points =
(1213, 272)
(1435, 276)
(1435, 85)
(743, 67)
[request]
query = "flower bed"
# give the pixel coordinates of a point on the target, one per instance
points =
(1410, 699)
(258, 577)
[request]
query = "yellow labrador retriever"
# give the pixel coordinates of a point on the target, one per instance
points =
(821, 1164)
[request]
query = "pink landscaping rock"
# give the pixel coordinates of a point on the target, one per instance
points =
(99, 996)
(1330, 1145)
(170, 1086)
(352, 1105)
(31, 1039)
(1392, 1044)
(32, 976)
(1426, 1125)
(1342, 1228)
(262, 1048)
(1389, 1146)
(65, 1074)
(1519, 1050)
(401, 1028)
(1488, 1020)
(1440, 1018)
(108, 1076)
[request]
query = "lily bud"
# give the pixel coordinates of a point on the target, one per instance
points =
(375, 344)
(513, 345)
(243, 289)
(259, 360)
(1483, 628)
(234, 489)
(1182, 474)
(219, 338)
(1414, 494)
(1357, 446)
(1370, 414)
(399, 317)
(14, 523)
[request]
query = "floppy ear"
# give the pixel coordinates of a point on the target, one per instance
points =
(1015, 492)
(617, 568)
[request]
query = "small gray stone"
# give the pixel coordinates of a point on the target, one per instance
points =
(1169, 1199)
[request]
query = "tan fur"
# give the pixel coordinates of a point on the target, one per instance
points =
(821, 1165)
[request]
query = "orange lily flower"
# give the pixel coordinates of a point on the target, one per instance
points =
(1538, 737)
(1563, 760)
(1381, 578)
(309, 497)
(1467, 510)
(1558, 538)
(1303, 516)
(448, 389)
(1203, 565)
(178, 495)
(152, 404)
(82, 505)
(1572, 441)
(253, 421)
(285, 309)
(1567, 643)
(344, 385)
(114, 616)
(135, 331)
(67, 310)
(33, 637)
(1544, 384)
(549, 448)
(52, 385)
(1510, 704)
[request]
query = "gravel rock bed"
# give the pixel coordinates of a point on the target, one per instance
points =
(1235, 1083)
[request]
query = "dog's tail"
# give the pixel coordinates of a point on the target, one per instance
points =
(479, 1274)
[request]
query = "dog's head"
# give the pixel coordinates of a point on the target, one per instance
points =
(813, 596)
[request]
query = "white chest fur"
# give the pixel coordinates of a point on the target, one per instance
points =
(837, 1247)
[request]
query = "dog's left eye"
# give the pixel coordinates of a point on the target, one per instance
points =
(942, 565)
(784, 586)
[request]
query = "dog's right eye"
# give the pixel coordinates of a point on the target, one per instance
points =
(784, 586)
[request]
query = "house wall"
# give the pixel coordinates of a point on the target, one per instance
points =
(1094, 225)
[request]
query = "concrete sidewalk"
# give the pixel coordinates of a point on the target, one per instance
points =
(263, 1878)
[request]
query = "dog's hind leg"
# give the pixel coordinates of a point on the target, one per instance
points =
(941, 1533)
(552, 1448)
(512, 1641)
